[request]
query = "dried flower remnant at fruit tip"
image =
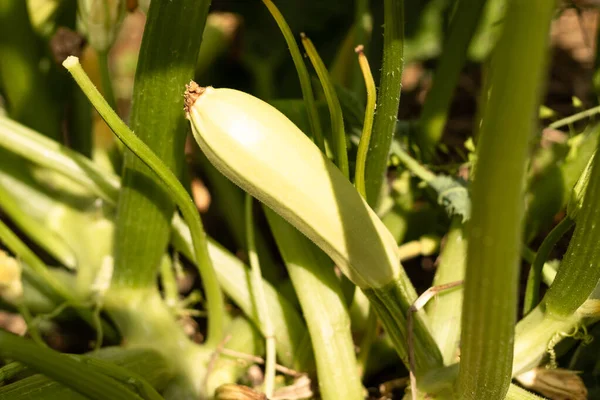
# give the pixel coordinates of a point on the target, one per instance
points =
(192, 92)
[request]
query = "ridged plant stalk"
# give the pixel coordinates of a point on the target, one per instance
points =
(496, 226)
(82, 377)
(316, 285)
(167, 60)
(434, 115)
(388, 98)
(579, 269)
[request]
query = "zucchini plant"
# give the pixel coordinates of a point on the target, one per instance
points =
(302, 279)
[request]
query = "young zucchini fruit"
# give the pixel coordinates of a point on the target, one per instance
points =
(263, 152)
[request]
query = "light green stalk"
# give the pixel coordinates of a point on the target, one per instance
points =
(324, 308)
(496, 225)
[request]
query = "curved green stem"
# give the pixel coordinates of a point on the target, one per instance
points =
(579, 270)
(303, 76)
(261, 301)
(214, 297)
(365, 138)
(532, 293)
(496, 226)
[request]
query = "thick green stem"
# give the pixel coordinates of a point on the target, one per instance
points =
(146, 363)
(388, 98)
(81, 377)
(579, 270)
(496, 225)
(437, 104)
(167, 60)
(316, 284)
(171, 186)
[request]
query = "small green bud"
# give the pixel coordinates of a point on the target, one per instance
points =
(102, 20)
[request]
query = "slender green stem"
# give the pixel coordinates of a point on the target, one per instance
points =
(579, 270)
(79, 376)
(338, 132)
(575, 117)
(40, 234)
(107, 85)
(32, 328)
(260, 301)
(534, 279)
(303, 76)
(171, 185)
(365, 138)
(496, 225)
(388, 99)
(433, 117)
(33, 263)
(413, 165)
